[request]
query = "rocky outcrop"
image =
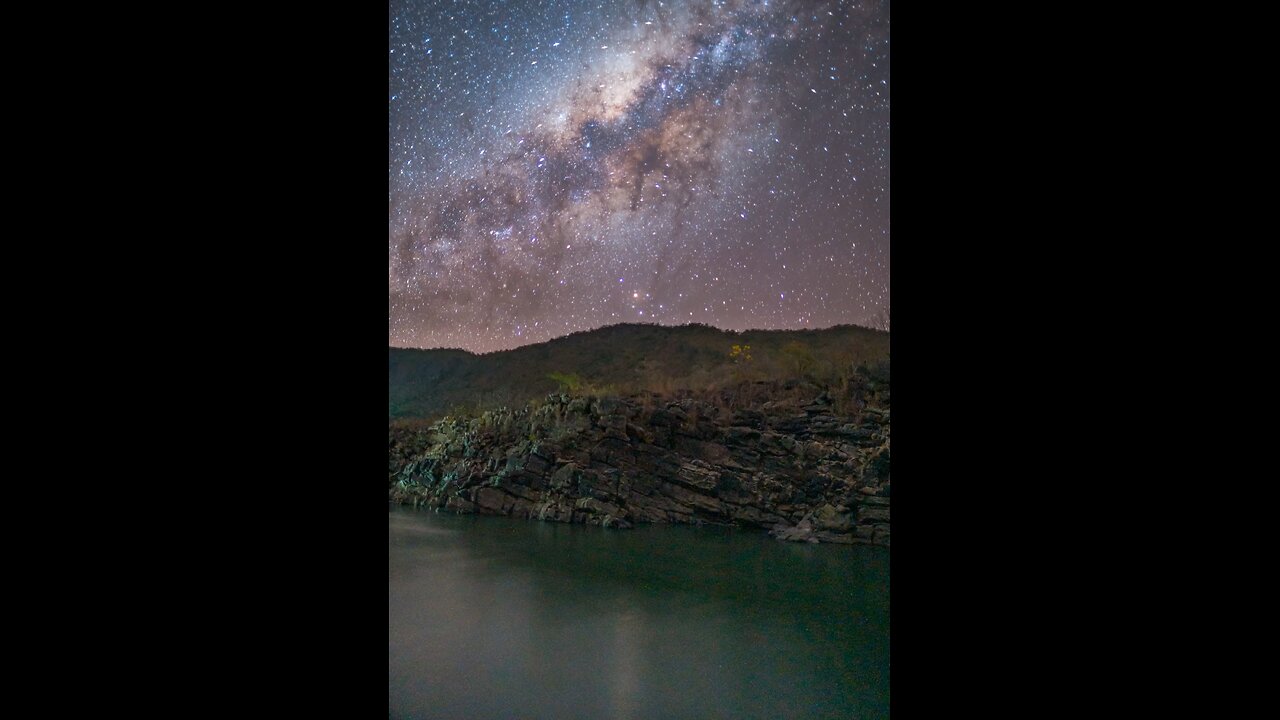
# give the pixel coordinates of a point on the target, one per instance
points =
(802, 469)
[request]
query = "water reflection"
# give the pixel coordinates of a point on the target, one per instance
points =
(626, 681)
(491, 617)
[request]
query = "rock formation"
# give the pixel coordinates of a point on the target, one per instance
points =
(805, 470)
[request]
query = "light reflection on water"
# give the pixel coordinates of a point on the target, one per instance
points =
(493, 617)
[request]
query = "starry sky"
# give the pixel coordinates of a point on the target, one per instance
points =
(560, 165)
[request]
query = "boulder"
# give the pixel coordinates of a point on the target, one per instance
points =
(565, 477)
(872, 514)
(827, 517)
(697, 475)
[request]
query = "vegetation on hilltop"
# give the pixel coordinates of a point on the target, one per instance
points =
(634, 360)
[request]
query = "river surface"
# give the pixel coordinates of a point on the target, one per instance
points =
(502, 618)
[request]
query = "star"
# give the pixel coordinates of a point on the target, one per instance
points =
(525, 182)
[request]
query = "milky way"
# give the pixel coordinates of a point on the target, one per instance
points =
(559, 165)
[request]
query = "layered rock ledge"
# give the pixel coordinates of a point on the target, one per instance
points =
(802, 469)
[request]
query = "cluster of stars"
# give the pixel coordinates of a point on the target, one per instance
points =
(559, 165)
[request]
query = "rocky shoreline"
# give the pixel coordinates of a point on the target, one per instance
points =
(802, 469)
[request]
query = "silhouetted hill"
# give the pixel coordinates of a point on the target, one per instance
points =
(620, 359)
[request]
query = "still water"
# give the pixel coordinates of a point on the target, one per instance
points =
(501, 618)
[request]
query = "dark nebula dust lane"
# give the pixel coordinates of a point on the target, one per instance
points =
(559, 165)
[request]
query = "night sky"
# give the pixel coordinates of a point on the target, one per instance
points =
(559, 165)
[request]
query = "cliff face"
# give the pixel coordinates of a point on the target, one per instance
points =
(809, 470)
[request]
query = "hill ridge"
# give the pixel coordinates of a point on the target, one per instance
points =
(624, 357)
(837, 326)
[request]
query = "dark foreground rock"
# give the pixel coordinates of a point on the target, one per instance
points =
(800, 468)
